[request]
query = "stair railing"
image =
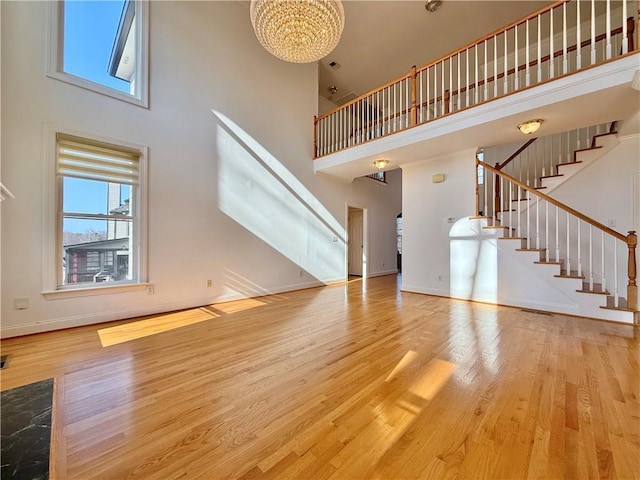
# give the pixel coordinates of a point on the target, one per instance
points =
(584, 247)
(558, 40)
(540, 158)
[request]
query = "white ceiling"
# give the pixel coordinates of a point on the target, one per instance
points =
(382, 39)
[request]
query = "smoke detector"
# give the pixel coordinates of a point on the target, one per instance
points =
(432, 5)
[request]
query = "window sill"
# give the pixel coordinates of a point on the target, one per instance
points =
(93, 291)
(98, 88)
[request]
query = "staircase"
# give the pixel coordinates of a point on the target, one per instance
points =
(549, 255)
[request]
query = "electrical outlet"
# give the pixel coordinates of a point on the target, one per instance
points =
(451, 220)
(611, 223)
(334, 239)
(209, 283)
(150, 290)
(439, 278)
(300, 273)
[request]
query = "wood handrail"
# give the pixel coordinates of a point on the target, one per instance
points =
(555, 202)
(515, 154)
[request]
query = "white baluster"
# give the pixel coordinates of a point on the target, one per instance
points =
(608, 32)
(475, 78)
(435, 91)
(604, 285)
(578, 38)
(407, 101)
(467, 75)
(518, 211)
(568, 246)
(495, 66)
(486, 74)
(539, 49)
(459, 99)
(557, 234)
(551, 52)
(516, 83)
(565, 64)
(579, 251)
(625, 42)
(590, 257)
(506, 66)
(428, 96)
(450, 85)
(527, 75)
(510, 207)
(528, 207)
(442, 104)
(546, 231)
(615, 273)
(593, 32)
(537, 222)
(420, 97)
(395, 108)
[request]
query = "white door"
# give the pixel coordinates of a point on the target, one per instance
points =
(356, 241)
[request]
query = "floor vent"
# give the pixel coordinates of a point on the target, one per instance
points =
(4, 359)
(537, 312)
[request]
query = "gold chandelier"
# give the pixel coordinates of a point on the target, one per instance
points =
(298, 31)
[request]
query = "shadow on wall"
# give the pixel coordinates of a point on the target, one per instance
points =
(473, 262)
(260, 194)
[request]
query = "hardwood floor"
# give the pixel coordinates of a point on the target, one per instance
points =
(342, 382)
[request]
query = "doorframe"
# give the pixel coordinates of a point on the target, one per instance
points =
(365, 239)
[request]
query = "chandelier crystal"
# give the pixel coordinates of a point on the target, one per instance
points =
(298, 31)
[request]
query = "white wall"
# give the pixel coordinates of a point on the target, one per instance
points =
(209, 175)
(426, 208)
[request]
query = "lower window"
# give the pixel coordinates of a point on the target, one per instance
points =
(99, 222)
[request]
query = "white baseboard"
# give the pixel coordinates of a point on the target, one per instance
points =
(383, 273)
(96, 318)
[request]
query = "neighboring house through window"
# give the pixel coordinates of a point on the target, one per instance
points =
(101, 46)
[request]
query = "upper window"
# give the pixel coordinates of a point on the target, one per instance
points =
(99, 216)
(101, 46)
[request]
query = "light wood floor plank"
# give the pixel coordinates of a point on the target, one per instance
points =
(346, 382)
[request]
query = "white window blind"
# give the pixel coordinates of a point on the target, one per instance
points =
(82, 158)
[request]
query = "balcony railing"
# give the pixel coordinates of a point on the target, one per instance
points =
(559, 40)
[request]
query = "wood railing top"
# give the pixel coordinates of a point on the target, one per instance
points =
(555, 202)
(516, 153)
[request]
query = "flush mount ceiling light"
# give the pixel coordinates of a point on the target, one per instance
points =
(380, 164)
(298, 31)
(530, 126)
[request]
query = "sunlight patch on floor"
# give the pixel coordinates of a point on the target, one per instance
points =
(152, 326)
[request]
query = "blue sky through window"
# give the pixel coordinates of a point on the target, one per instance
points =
(89, 32)
(87, 196)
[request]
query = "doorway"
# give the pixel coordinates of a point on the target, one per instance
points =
(356, 258)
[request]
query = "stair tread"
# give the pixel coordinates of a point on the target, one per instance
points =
(552, 176)
(577, 161)
(511, 238)
(478, 217)
(550, 262)
(495, 226)
(594, 291)
(587, 149)
(622, 309)
(572, 274)
(531, 249)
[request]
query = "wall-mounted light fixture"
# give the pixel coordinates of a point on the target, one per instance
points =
(381, 163)
(530, 126)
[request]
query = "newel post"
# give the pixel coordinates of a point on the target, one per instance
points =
(477, 190)
(496, 188)
(414, 90)
(315, 136)
(631, 28)
(632, 286)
